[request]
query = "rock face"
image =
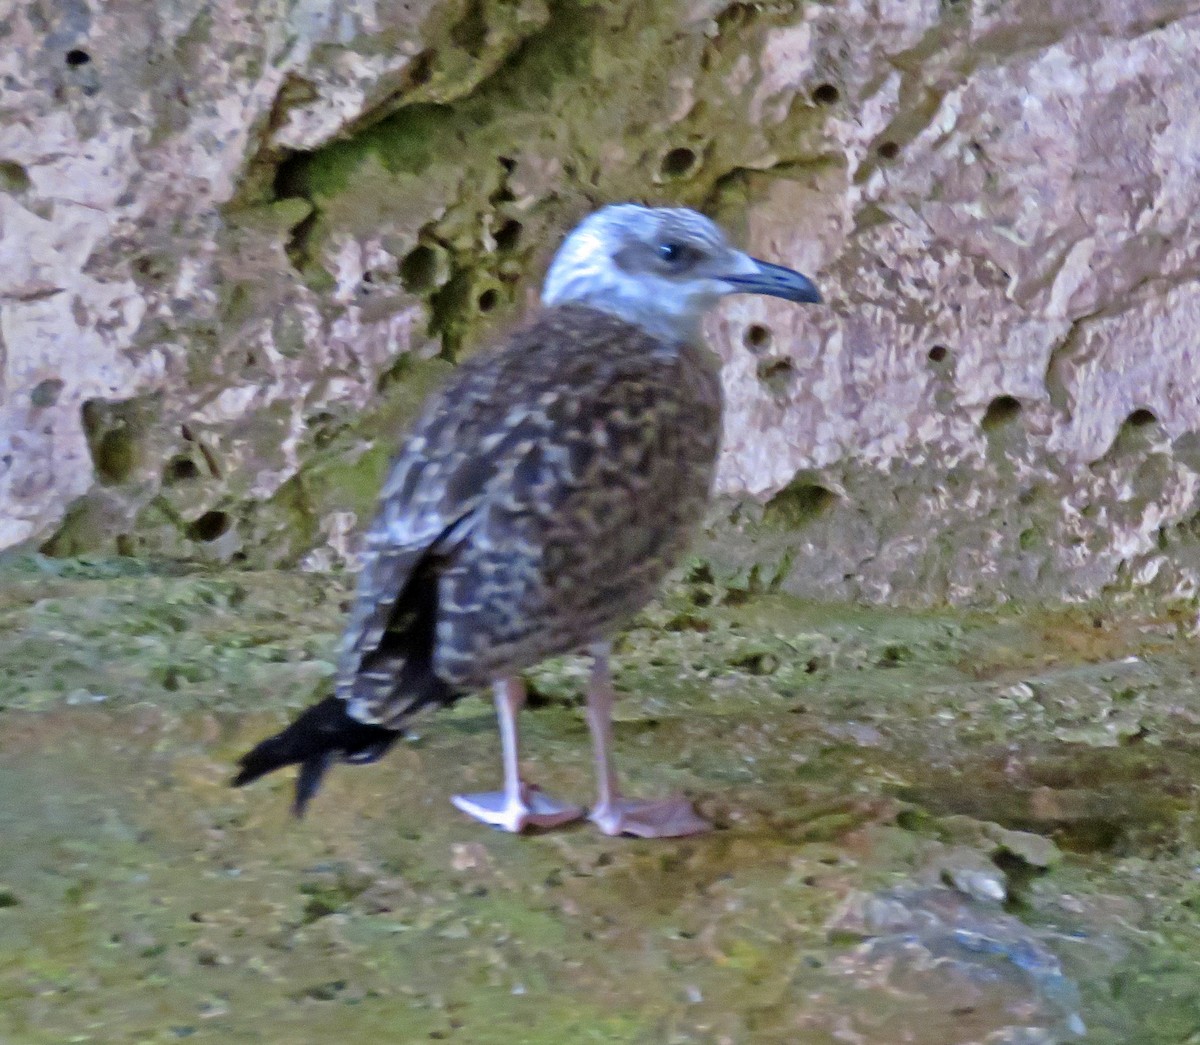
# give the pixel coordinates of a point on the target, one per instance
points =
(240, 245)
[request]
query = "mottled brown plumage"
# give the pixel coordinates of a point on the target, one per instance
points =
(549, 488)
(537, 504)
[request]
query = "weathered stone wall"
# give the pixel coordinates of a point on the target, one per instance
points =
(240, 243)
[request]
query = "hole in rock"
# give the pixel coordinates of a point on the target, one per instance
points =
(1001, 411)
(757, 337)
(509, 234)
(418, 270)
(181, 469)
(209, 526)
(678, 162)
(46, 393)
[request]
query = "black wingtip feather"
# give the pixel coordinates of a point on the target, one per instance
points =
(308, 781)
(321, 733)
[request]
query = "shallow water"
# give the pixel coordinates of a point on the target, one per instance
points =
(932, 827)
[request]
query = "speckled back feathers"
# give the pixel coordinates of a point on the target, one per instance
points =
(535, 506)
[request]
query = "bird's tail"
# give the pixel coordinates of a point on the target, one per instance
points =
(322, 733)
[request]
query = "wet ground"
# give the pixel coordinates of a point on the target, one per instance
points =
(936, 828)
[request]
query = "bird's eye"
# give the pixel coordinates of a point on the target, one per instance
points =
(677, 255)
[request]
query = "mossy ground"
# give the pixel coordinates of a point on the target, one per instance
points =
(932, 827)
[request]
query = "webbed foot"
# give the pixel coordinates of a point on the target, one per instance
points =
(665, 818)
(530, 807)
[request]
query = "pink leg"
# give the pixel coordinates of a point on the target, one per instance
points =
(519, 805)
(614, 815)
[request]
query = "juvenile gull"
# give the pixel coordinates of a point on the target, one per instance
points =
(537, 505)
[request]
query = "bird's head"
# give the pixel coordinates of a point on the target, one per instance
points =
(660, 268)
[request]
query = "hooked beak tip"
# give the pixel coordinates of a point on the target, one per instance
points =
(775, 281)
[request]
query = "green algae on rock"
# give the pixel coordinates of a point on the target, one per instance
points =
(155, 903)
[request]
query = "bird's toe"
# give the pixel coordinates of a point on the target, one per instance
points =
(531, 808)
(665, 818)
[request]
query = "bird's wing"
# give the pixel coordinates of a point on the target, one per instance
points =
(426, 507)
(426, 502)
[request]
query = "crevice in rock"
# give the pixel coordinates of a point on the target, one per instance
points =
(290, 182)
(450, 310)
(209, 526)
(180, 469)
(736, 18)
(470, 32)
(189, 435)
(776, 375)
(797, 505)
(416, 75)
(727, 194)
(508, 236)
(79, 532)
(417, 84)
(558, 40)
(419, 269)
(295, 90)
(407, 137)
(291, 176)
(114, 431)
(1055, 379)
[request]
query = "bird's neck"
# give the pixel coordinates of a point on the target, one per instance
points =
(662, 326)
(665, 317)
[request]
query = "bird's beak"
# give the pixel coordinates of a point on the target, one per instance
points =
(752, 276)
